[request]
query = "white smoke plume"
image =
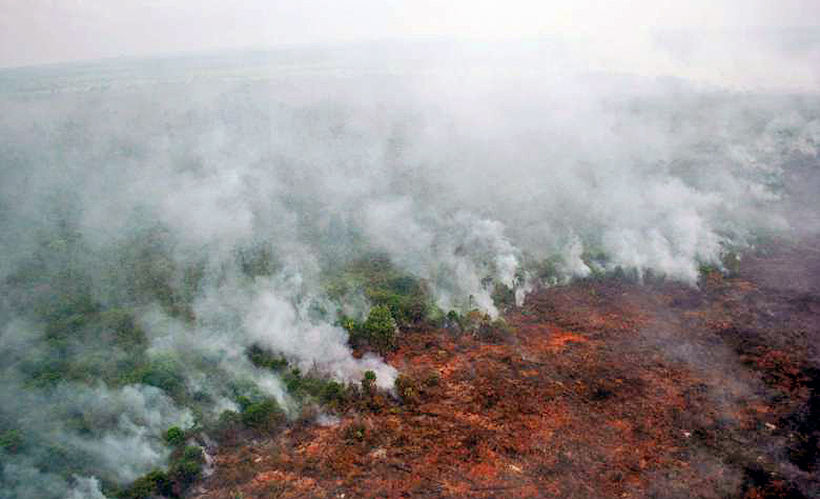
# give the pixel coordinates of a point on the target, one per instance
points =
(468, 165)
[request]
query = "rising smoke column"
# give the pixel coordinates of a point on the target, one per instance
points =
(138, 188)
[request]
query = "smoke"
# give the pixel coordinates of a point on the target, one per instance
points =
(141, 188)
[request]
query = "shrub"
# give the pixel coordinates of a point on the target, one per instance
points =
(124, 328)
(406, 309)
(175, 436)
(406, 389)
(65, 327)
(11, 441)
(262, 414)
(293, 380)
(164, 373)
(452, 320)
(266, 359)
(369, 382)
(493, 330)
(333, 392)
(187, 467)
(311, 385)
(229, 418)
(149, 485)
(595, 257)
(503, 296)
(405, 296)
(380, 329)
(349, 324)
(46, 372)
(549, 271)
(355, 432)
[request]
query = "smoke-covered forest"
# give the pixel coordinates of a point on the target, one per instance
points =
(205, 249)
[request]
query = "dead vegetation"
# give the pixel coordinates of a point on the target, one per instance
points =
(602, 388)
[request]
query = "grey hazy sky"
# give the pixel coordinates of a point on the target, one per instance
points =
(41, 31)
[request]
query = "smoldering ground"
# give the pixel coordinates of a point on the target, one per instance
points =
(187, 209)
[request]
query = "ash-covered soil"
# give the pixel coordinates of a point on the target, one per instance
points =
(600, 388)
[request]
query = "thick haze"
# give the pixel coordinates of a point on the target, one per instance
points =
(640, 137)
(44, 31)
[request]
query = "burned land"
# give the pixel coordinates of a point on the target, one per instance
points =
(445, 269)
(605, 387)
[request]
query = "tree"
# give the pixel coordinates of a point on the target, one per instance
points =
(380, 329)
(175, 436)
(369, 382)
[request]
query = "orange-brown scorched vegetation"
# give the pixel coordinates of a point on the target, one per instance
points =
(599, 388)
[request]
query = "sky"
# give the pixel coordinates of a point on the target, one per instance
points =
(46, 31)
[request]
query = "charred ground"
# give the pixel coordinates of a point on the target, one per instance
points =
(600, 388)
